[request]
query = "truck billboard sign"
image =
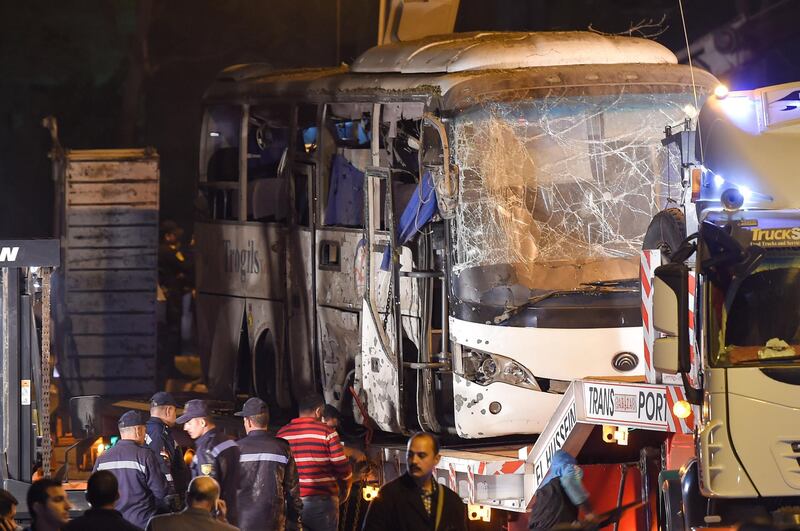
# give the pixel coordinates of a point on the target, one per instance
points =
(630, 405)
(556, 440)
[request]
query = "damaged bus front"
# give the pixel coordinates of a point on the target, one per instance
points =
(450, 228)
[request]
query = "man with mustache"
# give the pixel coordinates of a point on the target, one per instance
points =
(415, 500)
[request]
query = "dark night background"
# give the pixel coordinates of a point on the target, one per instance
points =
(127, 73)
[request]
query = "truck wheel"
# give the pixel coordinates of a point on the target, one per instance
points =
(672, 508)
(665, 233)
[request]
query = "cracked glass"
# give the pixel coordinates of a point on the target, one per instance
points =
(558, 192)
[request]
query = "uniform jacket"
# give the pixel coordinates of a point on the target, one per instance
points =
(269, 492)
(159, 439)
(399, 507)
(218, 456)
(142, 489)
(188, 520)
(100, 520)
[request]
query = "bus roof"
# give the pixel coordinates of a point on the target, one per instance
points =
(503, 65)
(493, 50)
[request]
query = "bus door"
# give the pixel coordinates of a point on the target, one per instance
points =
(434, 368)
(396, 333)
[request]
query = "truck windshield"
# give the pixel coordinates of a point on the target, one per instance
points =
(556, 193)
(760, 322)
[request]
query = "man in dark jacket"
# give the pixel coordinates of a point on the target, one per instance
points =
(142, 489)
(415, 500)
(102, 492)
(269, 492)
(161, 440)
(204, 510)
(215, 455)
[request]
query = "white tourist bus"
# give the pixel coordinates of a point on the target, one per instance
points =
(514, 175)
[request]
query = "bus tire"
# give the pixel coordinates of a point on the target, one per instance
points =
(665, 233)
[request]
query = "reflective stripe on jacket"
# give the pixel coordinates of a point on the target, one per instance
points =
(269, 492)
(142, 488)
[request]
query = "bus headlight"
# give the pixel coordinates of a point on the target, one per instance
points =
(485, 368)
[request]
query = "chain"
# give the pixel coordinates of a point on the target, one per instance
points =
(6, 431)
(388, 304)
(358, 505)
(44, 414)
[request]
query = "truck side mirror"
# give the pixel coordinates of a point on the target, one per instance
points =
(85, 416)
(671, 317)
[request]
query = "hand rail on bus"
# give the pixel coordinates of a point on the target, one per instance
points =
(422, 274)
(430, 365)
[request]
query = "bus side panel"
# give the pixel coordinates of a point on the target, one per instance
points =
(379, 372)
(338, 305)
(242, 260)
(336, 284)
(299, 317)
(219, 324)
(237, 261)
(340, 350)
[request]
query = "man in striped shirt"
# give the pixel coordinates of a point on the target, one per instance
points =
(321, 464)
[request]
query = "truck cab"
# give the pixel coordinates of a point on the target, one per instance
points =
(728, 306)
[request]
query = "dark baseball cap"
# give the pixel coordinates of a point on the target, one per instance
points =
(192, 410)
(254, 406)
(162, 398)
(130, 419)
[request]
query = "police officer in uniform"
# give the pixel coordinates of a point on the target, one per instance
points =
(142, 488)
(160, 439)
(269, 492)
(215, 454)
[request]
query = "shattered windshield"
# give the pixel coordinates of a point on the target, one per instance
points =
(759, 322)
(556, 193)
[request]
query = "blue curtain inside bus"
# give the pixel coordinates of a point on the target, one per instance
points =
(419, 210)
(346, 195)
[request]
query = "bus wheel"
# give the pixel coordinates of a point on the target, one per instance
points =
(665, 233)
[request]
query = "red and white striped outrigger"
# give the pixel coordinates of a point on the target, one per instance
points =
(507, 477)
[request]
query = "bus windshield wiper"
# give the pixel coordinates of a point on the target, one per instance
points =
(620, 282)
(600, 286)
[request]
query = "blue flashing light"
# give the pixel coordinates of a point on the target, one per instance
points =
(746, 192)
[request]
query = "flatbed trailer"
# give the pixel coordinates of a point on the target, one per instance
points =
(593, 416)
(506, 478)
